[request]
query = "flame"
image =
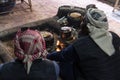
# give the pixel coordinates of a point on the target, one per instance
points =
(58, 43)
(58, 49)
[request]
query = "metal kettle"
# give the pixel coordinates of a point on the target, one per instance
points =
(66, 33)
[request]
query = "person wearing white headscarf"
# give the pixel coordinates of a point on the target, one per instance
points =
(96, 55)
(98, 27)
(31, 63)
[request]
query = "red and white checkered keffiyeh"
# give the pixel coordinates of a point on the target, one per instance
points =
(29, 45)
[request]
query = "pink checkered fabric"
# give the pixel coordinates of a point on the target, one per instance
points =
(29, 43)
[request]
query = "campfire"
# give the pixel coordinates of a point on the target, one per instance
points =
(54, 42)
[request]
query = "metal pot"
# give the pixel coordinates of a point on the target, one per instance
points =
(74, 19)
(66, 33)
(49, 39)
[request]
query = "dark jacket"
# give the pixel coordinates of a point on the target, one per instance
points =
(40, 70)
(92, 63)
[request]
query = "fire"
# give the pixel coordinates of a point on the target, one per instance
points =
(58, 46)
(58, 43)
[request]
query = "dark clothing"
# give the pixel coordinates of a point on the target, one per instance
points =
(40, 70)
(91, 63)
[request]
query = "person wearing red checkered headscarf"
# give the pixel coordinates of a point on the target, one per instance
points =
(29, 45)
(30, 50)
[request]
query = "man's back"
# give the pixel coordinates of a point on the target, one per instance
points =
(94, 63)
(40, 70)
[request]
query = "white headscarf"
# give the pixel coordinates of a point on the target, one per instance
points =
(98, 27)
